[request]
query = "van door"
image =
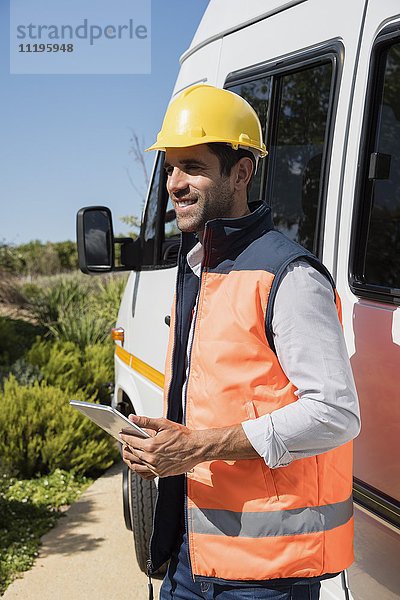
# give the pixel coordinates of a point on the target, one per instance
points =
(368, 277)
(147, 301)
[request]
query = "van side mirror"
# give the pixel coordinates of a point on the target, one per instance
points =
(96, 243)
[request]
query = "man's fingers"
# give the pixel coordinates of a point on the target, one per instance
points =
(137, 456)
(138, 466)
(141, 470)
(132, 441)
(147, 422)
(131, 454)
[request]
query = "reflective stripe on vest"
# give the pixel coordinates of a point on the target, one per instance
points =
(274, 523)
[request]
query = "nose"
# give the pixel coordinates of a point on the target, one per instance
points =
(177, 181)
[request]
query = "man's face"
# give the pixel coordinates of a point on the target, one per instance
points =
(197, 188)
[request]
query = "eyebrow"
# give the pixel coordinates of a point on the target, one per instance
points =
(186, 162)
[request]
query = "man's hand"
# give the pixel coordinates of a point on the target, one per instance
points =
(173, 448)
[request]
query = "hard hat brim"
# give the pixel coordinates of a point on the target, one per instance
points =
(180, 141)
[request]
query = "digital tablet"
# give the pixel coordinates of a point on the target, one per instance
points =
(109, 419)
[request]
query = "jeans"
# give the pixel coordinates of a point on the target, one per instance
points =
(179, 585)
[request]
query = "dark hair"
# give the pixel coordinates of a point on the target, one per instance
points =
(228, 157)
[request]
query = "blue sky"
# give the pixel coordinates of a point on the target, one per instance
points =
(65, 139)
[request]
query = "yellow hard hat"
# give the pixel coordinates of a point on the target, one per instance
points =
(202, 114)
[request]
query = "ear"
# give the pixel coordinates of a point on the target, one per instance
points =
(243, 173)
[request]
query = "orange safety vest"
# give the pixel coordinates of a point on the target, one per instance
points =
(246, 521)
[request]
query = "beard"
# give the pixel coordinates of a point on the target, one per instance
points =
(215, 203)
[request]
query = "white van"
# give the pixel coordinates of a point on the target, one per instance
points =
(324, 78)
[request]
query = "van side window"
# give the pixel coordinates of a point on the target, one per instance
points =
(294, 107)
(171, 235)
(150, 226)
(377, 252)
(159, 233)
(152, 202)
(296, 151)
(170, 227)
(257, 93)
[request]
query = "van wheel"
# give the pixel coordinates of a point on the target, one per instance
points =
(126, 484)
(143, 495)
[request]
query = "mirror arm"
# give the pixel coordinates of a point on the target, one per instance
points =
(130, 252)
(123, 240)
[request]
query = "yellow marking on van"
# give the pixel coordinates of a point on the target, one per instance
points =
(140, 367)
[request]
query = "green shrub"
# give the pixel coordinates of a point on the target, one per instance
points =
(40, 432)
(38, 258)
(77, 310)
(98, 369)
(108, 296)
(46, 300)
(24, 372)
(11, 260)
(16, 337)
(52, 491)
(59, 363)
(68, 255)
(82, 325)
(9, 288)
(66, 365)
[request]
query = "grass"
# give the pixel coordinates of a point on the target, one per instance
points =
(28, 509)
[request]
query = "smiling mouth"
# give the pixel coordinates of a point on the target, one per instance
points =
(184, 203)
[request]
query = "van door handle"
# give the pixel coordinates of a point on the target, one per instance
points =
(167, 320)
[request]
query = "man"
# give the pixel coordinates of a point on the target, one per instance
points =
(254, 457)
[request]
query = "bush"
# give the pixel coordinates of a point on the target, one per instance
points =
(38, 258)
(46, 300)
(76, 310)
(11, 260)
(40, 432)
(107, 296)
(16, 337)
(66, 365)
(24, 372)
(58, 362)
(9, 289)
(81, 325)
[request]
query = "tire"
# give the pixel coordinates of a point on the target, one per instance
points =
(143, 496)
(126, 484)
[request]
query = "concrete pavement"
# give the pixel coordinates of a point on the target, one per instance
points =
(89, 554)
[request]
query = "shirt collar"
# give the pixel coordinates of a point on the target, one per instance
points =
(195, 258)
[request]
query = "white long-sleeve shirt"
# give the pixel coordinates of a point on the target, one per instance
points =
(310, 346)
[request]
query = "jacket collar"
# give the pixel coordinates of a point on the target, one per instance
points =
(222, 236)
